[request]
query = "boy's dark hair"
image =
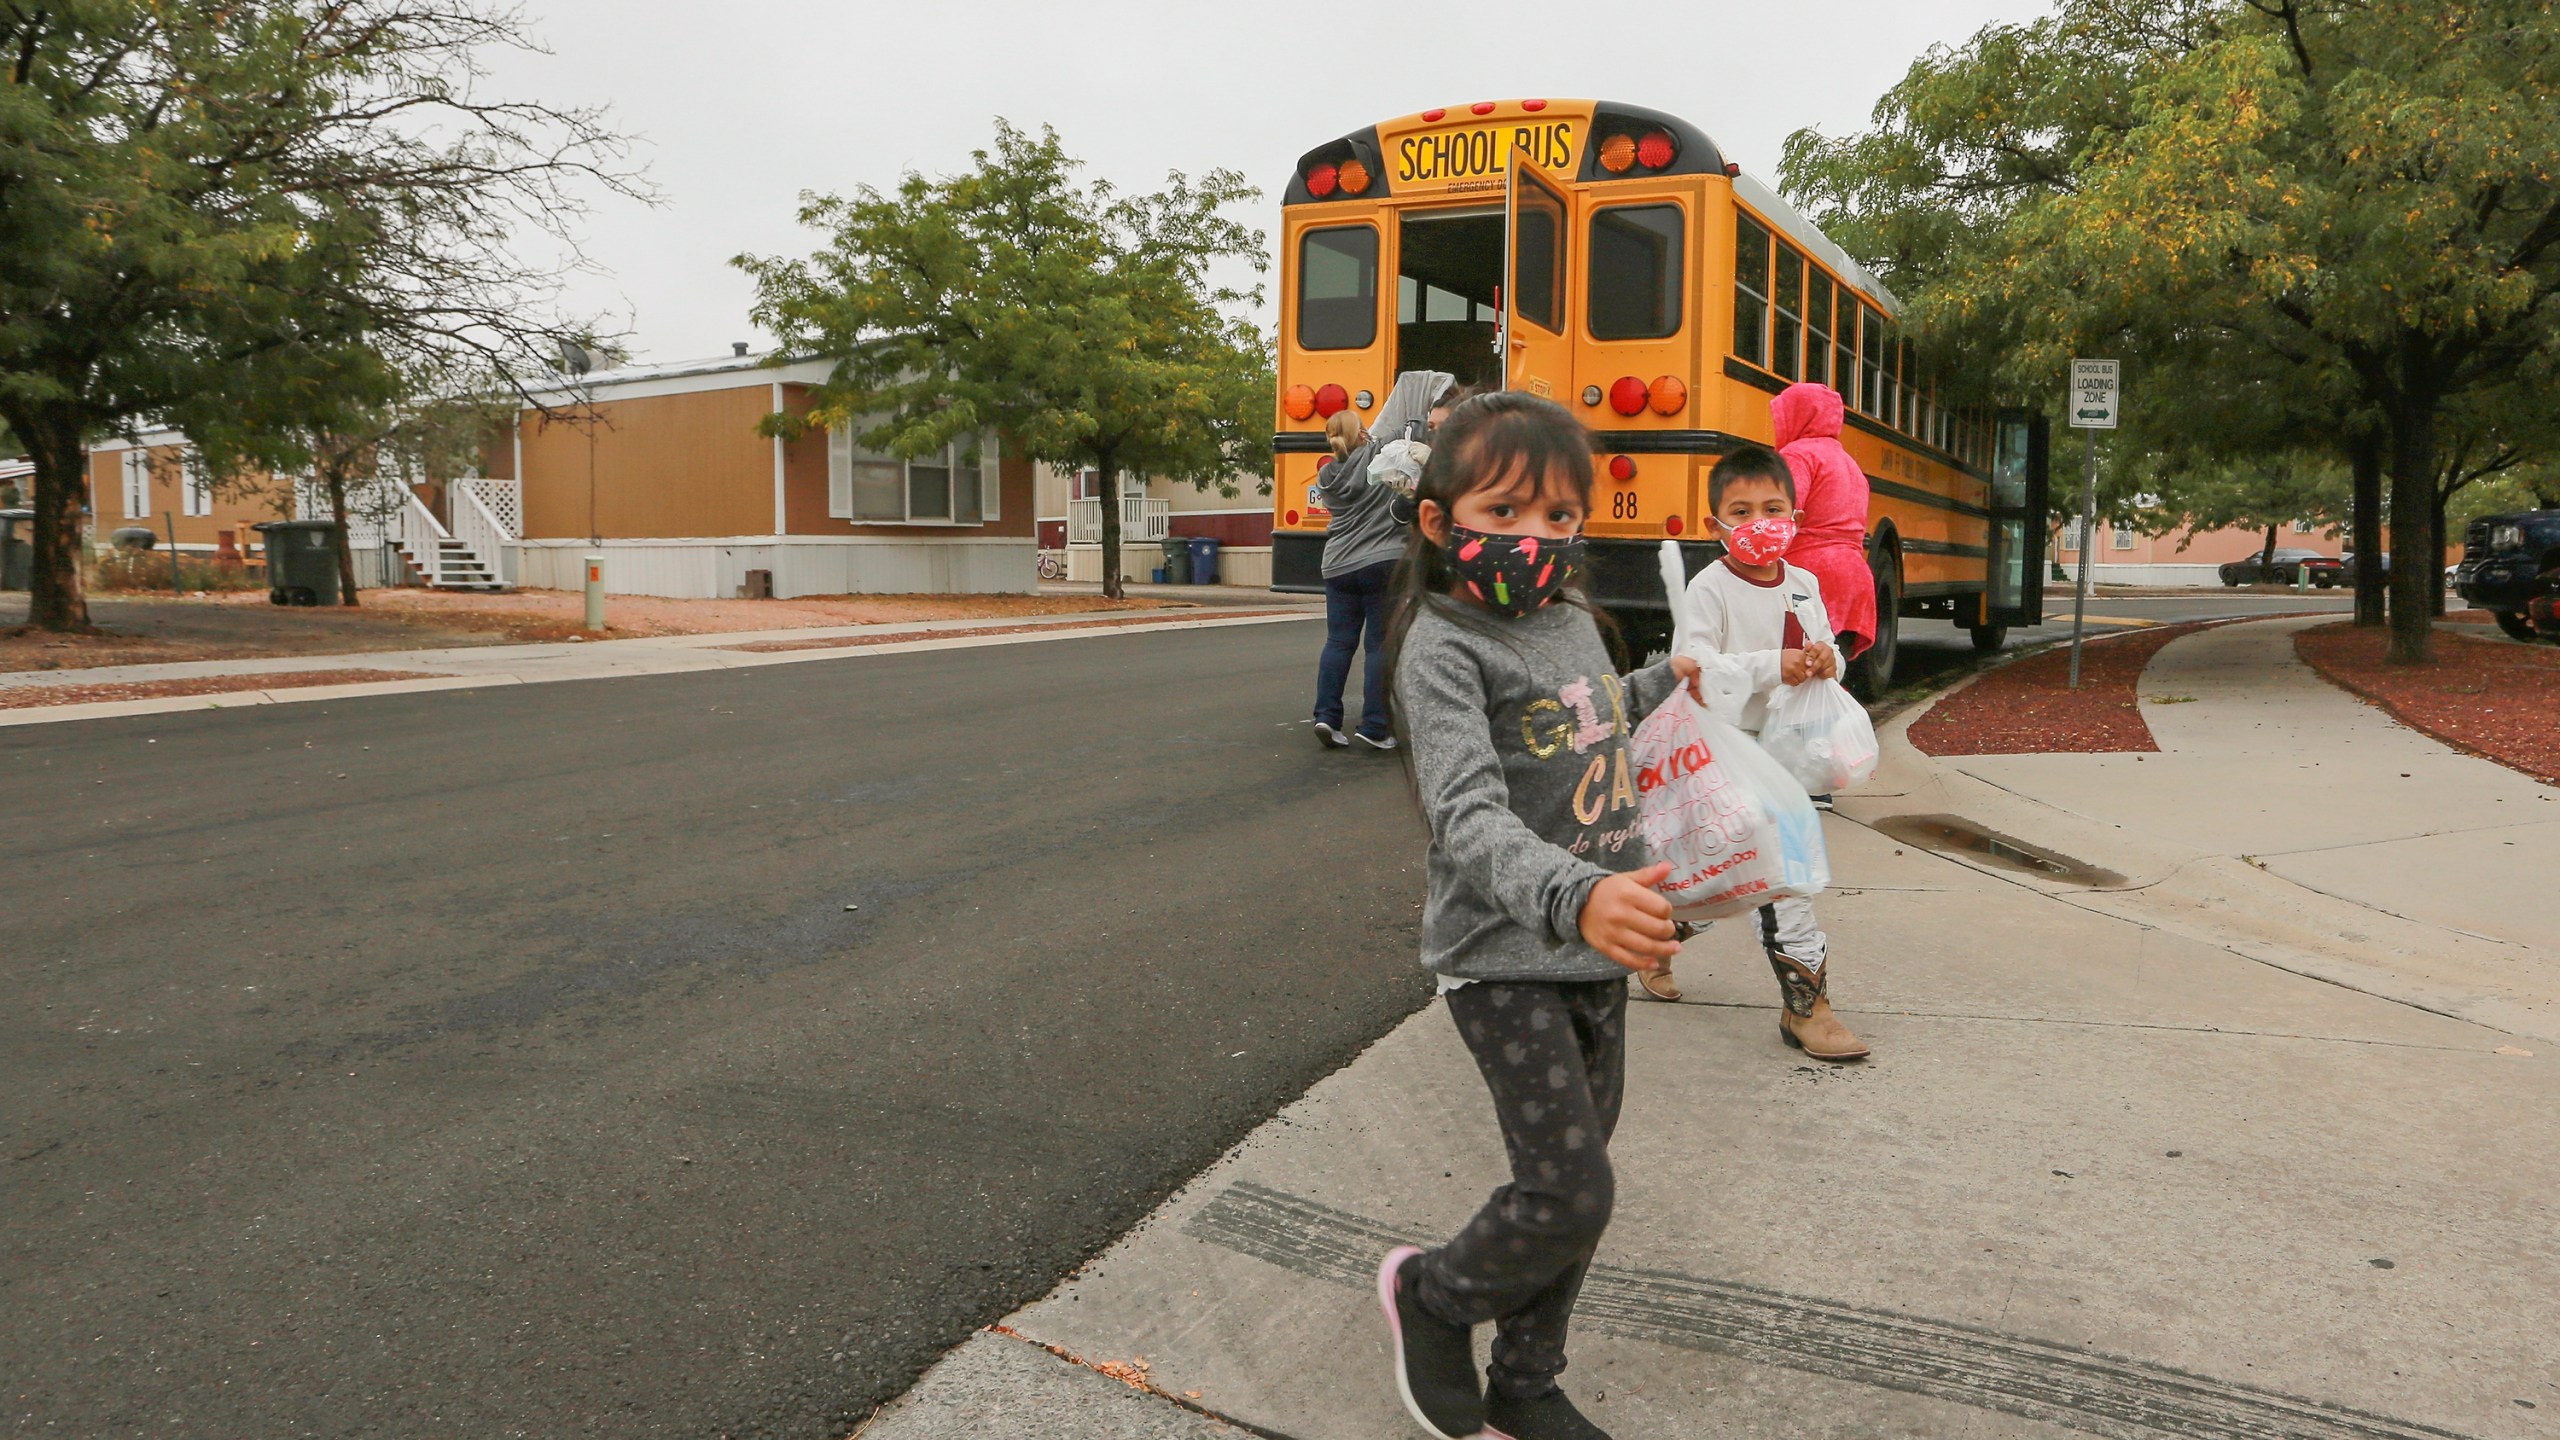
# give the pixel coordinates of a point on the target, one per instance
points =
(1751, 462)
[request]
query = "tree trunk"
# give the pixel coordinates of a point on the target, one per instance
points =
(56, 598)
(2413, 491)
(2435, 552)
(2364, 458)
(1108, 487)
(2266, 557)
(335, 477)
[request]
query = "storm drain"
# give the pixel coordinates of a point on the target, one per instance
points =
(1955, 835)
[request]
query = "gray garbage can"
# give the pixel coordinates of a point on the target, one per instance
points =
(1177, 560)
(1204, 560)
(302, 561)
(17, 548)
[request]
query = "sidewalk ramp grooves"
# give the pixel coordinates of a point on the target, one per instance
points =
(2062, 1385)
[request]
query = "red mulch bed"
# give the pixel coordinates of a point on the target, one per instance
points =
(2498, 701)
(2027, 707)
(28, 697)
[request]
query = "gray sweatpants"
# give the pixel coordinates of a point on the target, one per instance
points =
(1555, 1058)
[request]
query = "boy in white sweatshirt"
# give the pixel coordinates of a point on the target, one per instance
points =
(1756, 626)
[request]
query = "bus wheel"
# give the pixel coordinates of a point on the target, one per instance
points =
(1871, 674)
(1987, 639)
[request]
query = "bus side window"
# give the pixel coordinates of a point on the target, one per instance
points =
(1338, 288)
(1786, 337)
(1636, 272)
(1871, 324)
(1844, 354)
(1817, 319)
(1750, 289)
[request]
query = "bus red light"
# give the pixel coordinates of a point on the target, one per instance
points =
(1321, 179)
(1668, 395)
(1330, 399)
(1299, 403)
(1617, 154)
(1435, 113)
(1354, 177)
(1656, 150)
(1673, 525)
(1533, 106)
(1291, 518)
(1629, 396)
(1482, 107)
(1622, 467)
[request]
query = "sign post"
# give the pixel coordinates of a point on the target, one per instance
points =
(2095, 395)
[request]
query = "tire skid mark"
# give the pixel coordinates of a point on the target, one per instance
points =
(2085, 1390)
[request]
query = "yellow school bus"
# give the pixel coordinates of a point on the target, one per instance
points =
(1610, 257)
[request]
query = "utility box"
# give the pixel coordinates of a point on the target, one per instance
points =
(759, 586)
(302, 561)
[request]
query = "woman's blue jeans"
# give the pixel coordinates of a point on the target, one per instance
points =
(1355, 613)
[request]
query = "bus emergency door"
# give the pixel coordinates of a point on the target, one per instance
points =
(2015, 594)
(1536, 356)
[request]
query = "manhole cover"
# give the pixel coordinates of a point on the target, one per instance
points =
(1953, 834)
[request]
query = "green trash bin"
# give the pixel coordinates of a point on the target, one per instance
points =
(17, 548)
(302, 561)
(1177, 561)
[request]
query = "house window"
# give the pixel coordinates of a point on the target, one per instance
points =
(137, 485)
(2071, 533)
(195, 488)
(956, 485)
(2123, 537)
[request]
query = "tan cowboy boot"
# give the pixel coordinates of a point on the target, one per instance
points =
(1658, 983)
(1806, 1021)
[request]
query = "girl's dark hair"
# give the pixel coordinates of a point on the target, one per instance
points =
(1486, 440)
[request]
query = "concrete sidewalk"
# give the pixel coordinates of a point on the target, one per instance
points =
(477, 666)
(2104, 1175)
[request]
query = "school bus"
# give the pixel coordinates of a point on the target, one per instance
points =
(1611, 258)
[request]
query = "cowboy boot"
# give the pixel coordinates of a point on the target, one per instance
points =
(1658, 982)
(1806, 1021)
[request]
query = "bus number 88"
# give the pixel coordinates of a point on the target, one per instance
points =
(1622, 505)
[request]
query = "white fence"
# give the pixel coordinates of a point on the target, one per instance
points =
(1141, 520)
(488, 516)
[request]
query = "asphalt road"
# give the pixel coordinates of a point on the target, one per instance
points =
(513, 1062)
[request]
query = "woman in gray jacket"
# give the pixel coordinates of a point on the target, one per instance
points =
(1362, 543)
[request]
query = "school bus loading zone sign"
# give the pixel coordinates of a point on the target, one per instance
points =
(1466, 157)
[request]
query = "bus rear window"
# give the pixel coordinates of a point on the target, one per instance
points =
(1636, 272)
(1338, 288)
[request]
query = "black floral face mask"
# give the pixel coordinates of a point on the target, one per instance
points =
(1512, 575)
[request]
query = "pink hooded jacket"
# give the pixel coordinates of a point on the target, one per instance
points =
(1831, 509)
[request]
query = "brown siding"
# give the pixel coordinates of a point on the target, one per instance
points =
(236, 505)
(666, 467)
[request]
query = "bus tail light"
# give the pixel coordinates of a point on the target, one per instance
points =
(1657, 149)
(1298, 402)
(1668, 395)
(1321, 180)
(1673, 525)
(1622, 467)
(1330, 399)
(1353, 176)
(1290, 518)
(1618, 153)
(1628, 397)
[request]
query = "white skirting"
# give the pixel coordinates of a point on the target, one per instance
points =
(716, 568)
(1243, 566)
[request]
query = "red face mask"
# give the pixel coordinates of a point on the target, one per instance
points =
(1761, 542)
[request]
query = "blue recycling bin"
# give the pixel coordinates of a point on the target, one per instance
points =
(1204, 560)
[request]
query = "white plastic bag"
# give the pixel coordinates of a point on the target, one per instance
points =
(1735, 829)
(1398, 465)
(1821, 734)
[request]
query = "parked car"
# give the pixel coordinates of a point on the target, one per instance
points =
(2280, 568)
(2344, 573)
(2505, 559)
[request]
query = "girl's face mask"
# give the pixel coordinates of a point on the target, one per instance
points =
(1761, 542)
(1512, 574)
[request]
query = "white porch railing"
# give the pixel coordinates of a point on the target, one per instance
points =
(1141, 519)
(488, 516)
(418, 532)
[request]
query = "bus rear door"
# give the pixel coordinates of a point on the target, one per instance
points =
(1536, 355)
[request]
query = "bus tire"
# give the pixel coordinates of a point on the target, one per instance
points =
(1987, 639)
(1871, 674)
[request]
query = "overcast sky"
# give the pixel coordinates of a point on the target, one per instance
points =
(740, 106)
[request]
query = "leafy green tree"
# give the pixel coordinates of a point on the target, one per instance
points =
(211, 214)
(2359, 193)
(1088, 327)
(2307, 488)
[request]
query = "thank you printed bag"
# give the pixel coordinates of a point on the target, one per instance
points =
(1736, 831)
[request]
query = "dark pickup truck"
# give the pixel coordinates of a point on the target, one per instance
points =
(2504, 560)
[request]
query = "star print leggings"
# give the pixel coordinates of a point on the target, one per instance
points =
(1555, 1058)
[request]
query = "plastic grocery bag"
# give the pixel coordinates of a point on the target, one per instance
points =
(1821, 734)
(1735, 829)
(1398, 465)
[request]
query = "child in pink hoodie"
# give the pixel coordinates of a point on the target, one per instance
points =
(1831, 509)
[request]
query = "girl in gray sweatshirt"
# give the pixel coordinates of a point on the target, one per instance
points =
(1540, 903)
